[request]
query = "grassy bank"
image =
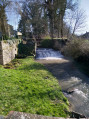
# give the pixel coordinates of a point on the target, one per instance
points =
(30, 88)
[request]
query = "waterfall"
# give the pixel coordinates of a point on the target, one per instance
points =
(48, 54)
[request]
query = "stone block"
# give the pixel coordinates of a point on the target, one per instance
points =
(8, 51)
(21, 115)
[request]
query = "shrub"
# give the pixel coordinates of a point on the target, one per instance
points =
(5, 37)
(0, 39)
(25, 50)
(78, 49)
(47, 43)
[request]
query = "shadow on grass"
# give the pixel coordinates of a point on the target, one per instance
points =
(33, 66)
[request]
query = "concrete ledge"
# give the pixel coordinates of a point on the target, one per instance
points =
(21, 115)
(2, 117)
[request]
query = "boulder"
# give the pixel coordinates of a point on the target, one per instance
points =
(76, 115)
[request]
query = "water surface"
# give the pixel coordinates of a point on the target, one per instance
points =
(69, 77)
(48, 54)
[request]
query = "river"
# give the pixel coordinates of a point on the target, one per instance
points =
(69, 77)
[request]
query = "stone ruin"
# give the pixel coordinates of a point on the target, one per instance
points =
(8, 51)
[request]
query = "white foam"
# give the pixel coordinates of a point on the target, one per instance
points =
(49, 58)
(48, 54)
(79, 92)
(76, 79)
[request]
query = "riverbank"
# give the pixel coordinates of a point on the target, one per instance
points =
(27, 86)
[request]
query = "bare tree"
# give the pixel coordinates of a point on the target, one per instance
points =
(79, 21)
(75, 21)
(61, 7)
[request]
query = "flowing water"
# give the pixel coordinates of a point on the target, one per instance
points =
(44, 53)
(69, 79)
(79, 99)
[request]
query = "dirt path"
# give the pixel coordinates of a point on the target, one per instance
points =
(71, 79)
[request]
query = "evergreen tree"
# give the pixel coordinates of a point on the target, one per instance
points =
(33, 17)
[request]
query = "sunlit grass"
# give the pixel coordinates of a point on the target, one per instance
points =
(31, 88)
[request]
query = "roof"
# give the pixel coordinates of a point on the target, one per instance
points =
(19, 33)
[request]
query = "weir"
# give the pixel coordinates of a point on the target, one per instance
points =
(48, 54)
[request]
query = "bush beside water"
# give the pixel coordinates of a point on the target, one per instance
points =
(78, 49)
(25, 50)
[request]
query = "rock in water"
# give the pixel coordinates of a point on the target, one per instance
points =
(77, 115)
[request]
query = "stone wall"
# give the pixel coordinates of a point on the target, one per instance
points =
(8, 51)
(1, 56)
(59, 43)
(21, 115)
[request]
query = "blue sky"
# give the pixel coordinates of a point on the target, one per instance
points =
(13, 18)
(84, 4)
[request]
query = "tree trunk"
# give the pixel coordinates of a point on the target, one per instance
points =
(52, 28)
(58, 28)
(61, 26)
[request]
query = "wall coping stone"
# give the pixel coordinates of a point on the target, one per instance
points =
(21, 115)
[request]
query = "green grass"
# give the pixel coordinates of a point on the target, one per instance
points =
(31, 88)
(48, 37)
